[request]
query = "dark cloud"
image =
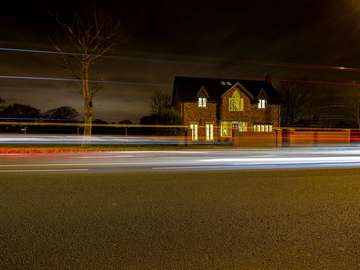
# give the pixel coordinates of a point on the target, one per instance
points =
(167, 38)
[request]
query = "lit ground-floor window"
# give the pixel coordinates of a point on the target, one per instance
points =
(226, 129)
(262, 128)
(194, 132)
(209, 132)
(243, 126)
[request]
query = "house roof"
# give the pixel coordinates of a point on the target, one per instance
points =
(185, 89)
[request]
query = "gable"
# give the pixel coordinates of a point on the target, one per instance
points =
(262, 95)
(202, 93)
(241, 89)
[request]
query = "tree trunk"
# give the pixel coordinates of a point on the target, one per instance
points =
(88, 115)
(87, 96)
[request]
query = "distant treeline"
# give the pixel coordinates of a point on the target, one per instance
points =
(64, 114)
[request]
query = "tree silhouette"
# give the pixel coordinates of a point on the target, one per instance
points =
(92, 36)
(62, 113)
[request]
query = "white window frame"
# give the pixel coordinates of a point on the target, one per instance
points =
(243, 126)
(202, 102)
(194, 132)
(209, 132)
(262, 128)
(261, 103)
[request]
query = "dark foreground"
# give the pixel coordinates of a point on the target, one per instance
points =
(220, 220)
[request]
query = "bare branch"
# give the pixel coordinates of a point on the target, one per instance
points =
(66, 59)
(92, 38)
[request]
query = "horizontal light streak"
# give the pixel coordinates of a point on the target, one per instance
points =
(287, 160)
(334, 157)
(44, 170)
(272, 160)
(6, 123)
(199, 60)
(44, 78)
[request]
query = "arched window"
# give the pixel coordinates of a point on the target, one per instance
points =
(236, 102)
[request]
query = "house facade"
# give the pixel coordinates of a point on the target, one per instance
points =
(215, 108)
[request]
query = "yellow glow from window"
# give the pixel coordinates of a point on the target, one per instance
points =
(236, 103)
(226, 129)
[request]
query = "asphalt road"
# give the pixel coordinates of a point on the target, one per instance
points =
(277, 219)
(187, 160)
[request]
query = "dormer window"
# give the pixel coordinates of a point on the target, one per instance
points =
(202, 96)
(261, 103)
(202, 102)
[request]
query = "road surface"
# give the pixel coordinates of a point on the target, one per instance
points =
(283, 219)
(181, 210)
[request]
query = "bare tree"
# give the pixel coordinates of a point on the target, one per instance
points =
(297, 104)
(160, 102)
(92, 36)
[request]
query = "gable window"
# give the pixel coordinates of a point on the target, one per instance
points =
(261, 103)
(236, 102)
(202, 96)
(202, 102)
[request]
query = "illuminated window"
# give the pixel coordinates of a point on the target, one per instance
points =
(262, 128)
(226, 129)
(202, 102)
(223, 83)
(209, 132)
(243, 126)
(261, 103)
(236, 103)
(194, 132)
(228, 83)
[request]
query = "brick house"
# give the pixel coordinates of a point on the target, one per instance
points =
(214, 108)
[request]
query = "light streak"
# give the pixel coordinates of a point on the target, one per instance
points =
(201, 60)
(44, 170)
(61, 79)
(287, 160)
(82, 125)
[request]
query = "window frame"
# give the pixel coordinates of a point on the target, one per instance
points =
(194, 127)
(209, 132)
(261, 103)
(262, 128)
(225, 125)
(202, 102)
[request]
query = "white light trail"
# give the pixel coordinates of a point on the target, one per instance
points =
(61, 79)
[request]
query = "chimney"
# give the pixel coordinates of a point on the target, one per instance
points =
(268, 78)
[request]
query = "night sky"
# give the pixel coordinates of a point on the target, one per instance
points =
(161, 39)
